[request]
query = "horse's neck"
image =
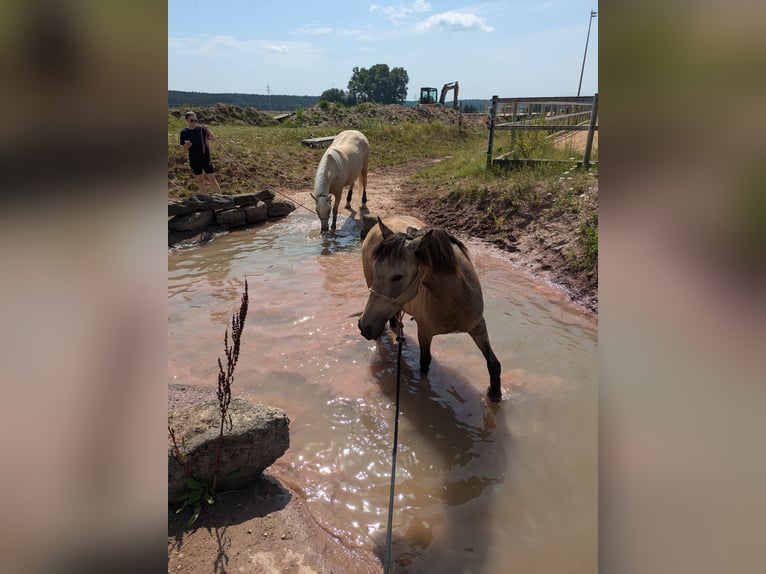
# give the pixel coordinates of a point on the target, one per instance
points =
(439, 282)
(325, 172)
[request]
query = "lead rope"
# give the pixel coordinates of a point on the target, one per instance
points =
(400, 339)
(251, 174)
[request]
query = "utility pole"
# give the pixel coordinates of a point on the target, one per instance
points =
(268, 89)
(593, 14)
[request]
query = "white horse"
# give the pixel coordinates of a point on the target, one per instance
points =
(342, 164)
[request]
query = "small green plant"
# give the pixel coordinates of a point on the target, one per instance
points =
(324, 104)
(589, 237)
(197, 492)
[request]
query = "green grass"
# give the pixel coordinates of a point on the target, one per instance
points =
(505, 199)
(254, 158)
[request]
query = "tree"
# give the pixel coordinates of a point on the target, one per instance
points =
(378, 84)
(333, 95)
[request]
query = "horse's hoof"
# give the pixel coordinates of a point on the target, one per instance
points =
(495, 397)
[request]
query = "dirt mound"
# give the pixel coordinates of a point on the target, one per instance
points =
(229, 114)
(332, 114)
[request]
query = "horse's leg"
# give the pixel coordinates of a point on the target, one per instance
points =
(364, 181)
(335, 205)
(481, 338)
(424, 341)
(348, 197)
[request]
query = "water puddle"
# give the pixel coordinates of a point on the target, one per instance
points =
(480, 487)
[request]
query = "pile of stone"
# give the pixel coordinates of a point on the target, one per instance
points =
(195, 219)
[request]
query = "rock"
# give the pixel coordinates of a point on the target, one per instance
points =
(279, 208)
(176, 238)
(196, 221)
(199, 203)
(256, 213)
(244, 199)
(259, 435)
(180, 207)
(368, 222)
(265, 195)
(231, 217)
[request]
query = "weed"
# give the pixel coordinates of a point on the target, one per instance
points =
(198, 490)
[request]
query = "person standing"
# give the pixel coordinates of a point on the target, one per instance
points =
(194, 139)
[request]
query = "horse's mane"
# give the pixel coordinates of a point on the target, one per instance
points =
(391, 246)
(320, 180)
(435, 249)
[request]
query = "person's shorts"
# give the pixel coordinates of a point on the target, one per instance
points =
(201, 164)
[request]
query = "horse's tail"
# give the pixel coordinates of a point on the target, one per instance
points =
(361, 181)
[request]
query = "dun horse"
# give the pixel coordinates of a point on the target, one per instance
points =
(342, 164)
(429, 274)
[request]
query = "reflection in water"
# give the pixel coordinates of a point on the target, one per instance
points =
(480, 487)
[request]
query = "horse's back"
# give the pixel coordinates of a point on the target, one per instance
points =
(351, 138)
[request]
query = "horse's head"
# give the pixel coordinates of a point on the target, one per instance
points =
(396, 279)
(323, 208)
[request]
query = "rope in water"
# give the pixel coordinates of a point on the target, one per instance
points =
(400, 339)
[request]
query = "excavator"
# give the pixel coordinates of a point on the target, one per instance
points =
(428, 95)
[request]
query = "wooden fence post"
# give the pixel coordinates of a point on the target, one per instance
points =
(492, 112)
(591, 129)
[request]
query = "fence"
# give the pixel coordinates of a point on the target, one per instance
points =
(557, 115)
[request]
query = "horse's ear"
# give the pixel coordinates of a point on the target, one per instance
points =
(413, 232)
(383, 229)
(416, 244)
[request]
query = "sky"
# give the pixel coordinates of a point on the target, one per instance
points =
(508, 49)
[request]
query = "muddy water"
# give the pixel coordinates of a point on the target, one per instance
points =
(480, 487)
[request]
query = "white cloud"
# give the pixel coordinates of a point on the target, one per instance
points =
(397, 14)
(453, 22)
(314, 30)
(219, 46)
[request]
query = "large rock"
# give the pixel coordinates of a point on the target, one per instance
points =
(368, 222)
(199, 203)
(256, 213)
(180, 207)
(279, 208)
(243, 199)
(196, 221)
(260, 434)
(231, 217)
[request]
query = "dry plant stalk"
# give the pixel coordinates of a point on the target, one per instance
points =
(226, 377)
(177, 454)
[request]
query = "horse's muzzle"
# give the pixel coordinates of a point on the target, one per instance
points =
(368, 332)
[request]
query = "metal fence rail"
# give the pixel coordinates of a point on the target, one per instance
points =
(553, 114)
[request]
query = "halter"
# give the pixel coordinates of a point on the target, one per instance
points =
(404, 296)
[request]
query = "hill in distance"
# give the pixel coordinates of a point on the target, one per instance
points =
(276, 102)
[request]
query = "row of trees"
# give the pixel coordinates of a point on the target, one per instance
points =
(378, 84)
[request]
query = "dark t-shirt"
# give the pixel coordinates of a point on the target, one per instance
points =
(198, 136)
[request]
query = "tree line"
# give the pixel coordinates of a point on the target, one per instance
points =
(379, 84)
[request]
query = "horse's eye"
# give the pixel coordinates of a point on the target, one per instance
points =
(397, 277)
